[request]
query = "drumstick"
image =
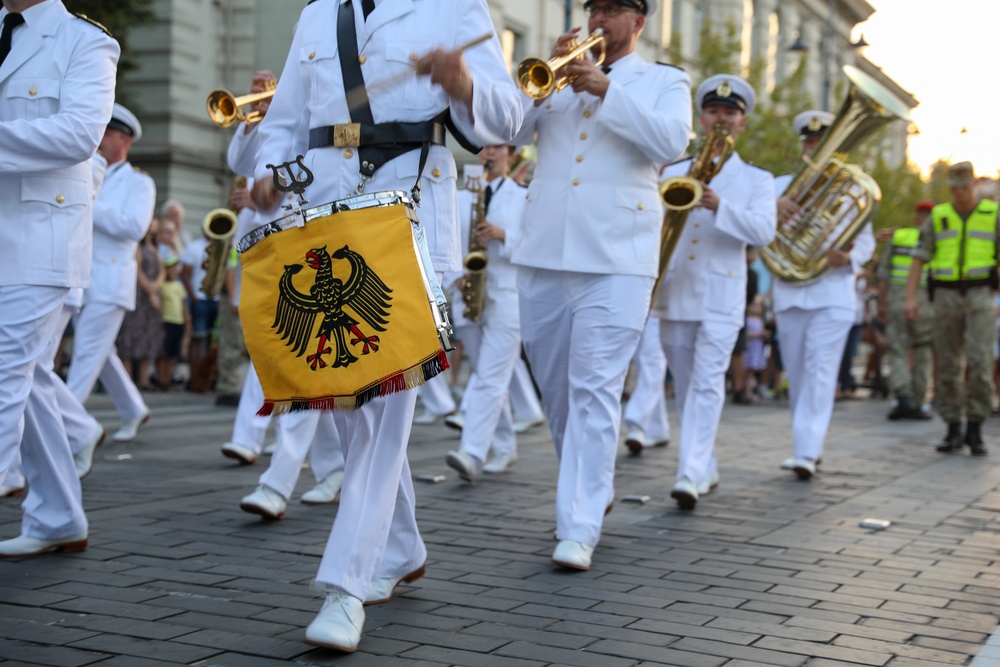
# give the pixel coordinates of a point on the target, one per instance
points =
(357, 97)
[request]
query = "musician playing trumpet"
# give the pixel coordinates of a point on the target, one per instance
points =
(702, 300)
(588, 251)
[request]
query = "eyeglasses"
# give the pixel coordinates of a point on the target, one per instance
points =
(610, 11)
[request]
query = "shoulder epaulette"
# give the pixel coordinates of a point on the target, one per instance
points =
(94, 23)
(670, 65)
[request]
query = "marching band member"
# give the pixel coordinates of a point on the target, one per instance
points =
(646, 421)
(524, 404)
(702, 301)
(493, 343)
(814, 320)
(375, 543)
(587, 255)
(45, 243)
(960, 242)
(122, 213)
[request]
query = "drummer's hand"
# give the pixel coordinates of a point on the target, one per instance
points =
(487, 232)
(448, 70)
(265, 195)
(787, 208)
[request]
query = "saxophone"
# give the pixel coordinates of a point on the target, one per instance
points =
(682, 193)
(476, 262)
(219, 227)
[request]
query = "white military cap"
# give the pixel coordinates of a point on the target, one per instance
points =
(812, 123)
(125, 121)
(646, 7)
(727, 90)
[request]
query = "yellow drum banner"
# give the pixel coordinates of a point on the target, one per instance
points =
(335, 313)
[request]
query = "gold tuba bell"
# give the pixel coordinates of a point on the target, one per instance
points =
(682, 193)
(537, 77)
(219, 227)
(225, 109)
(836, 199)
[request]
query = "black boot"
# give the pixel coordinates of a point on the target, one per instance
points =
(903, 410)
(953, 442)
(974, 439)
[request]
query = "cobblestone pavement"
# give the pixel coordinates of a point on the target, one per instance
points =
(767, 571)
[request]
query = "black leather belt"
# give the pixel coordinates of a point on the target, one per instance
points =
(963, 284)
(406, 136)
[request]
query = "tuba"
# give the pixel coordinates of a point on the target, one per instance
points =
(837, 199)
(476, 261)
(220, 227)
(682, 193)
(537, 77)
(225, 109)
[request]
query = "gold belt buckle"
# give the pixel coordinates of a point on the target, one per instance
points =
(347, 135)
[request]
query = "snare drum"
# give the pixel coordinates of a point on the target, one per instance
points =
(339, 304)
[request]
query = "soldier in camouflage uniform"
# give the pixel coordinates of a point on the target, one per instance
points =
(908, 385)
(960, 243)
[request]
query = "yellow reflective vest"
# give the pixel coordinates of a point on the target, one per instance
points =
(964, 249)
(904, 244)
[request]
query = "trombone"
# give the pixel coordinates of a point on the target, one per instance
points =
(225, 109)
(537, 77)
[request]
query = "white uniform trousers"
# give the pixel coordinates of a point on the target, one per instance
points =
(812, 344)
(580, 331)
(250, 429)
(94, 355)
(375, 533)
(436, 396)
(309, 432)
(492, 347)
(647, 406)
(698, 354)
(523, 397)
(29, 316)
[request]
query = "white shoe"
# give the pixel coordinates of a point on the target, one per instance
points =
(789, 463)
(382, 590)
(327, 491)
(685, 492)
(635, 440)
(803, 468)
(84, 459)
(30, 546)
(467, 467)
(266, 502)
(130, 428)
(269, 448)
(523, 425)
(245, 455)
(6, 491)
(426, 418)
(455, 420)
(499, 464)
(338, 624)
(711, 484)
(574, 555)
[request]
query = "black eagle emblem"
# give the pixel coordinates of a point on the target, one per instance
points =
(364, 293)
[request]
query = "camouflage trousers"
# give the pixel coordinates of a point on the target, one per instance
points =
(964, 330)
(232, 350)
(902, 337)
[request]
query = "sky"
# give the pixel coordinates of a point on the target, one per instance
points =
(946, 54)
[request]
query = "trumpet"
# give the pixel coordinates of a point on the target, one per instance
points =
(225, 109)
(537, 77)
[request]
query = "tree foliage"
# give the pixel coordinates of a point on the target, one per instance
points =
(118, 16)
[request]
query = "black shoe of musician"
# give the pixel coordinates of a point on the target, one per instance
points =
(904, 408)
(974, 439)
(953, 441)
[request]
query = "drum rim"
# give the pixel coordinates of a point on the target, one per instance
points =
(379, 199)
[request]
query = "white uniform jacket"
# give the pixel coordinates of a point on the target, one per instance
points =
(122, 214)
(506, 206)
(707, 276)
(835, 288)
(56, 94)
(310, 94)
(593, 205)
(242, 157)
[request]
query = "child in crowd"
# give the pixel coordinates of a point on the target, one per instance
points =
(176, 321)
(755, 358)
